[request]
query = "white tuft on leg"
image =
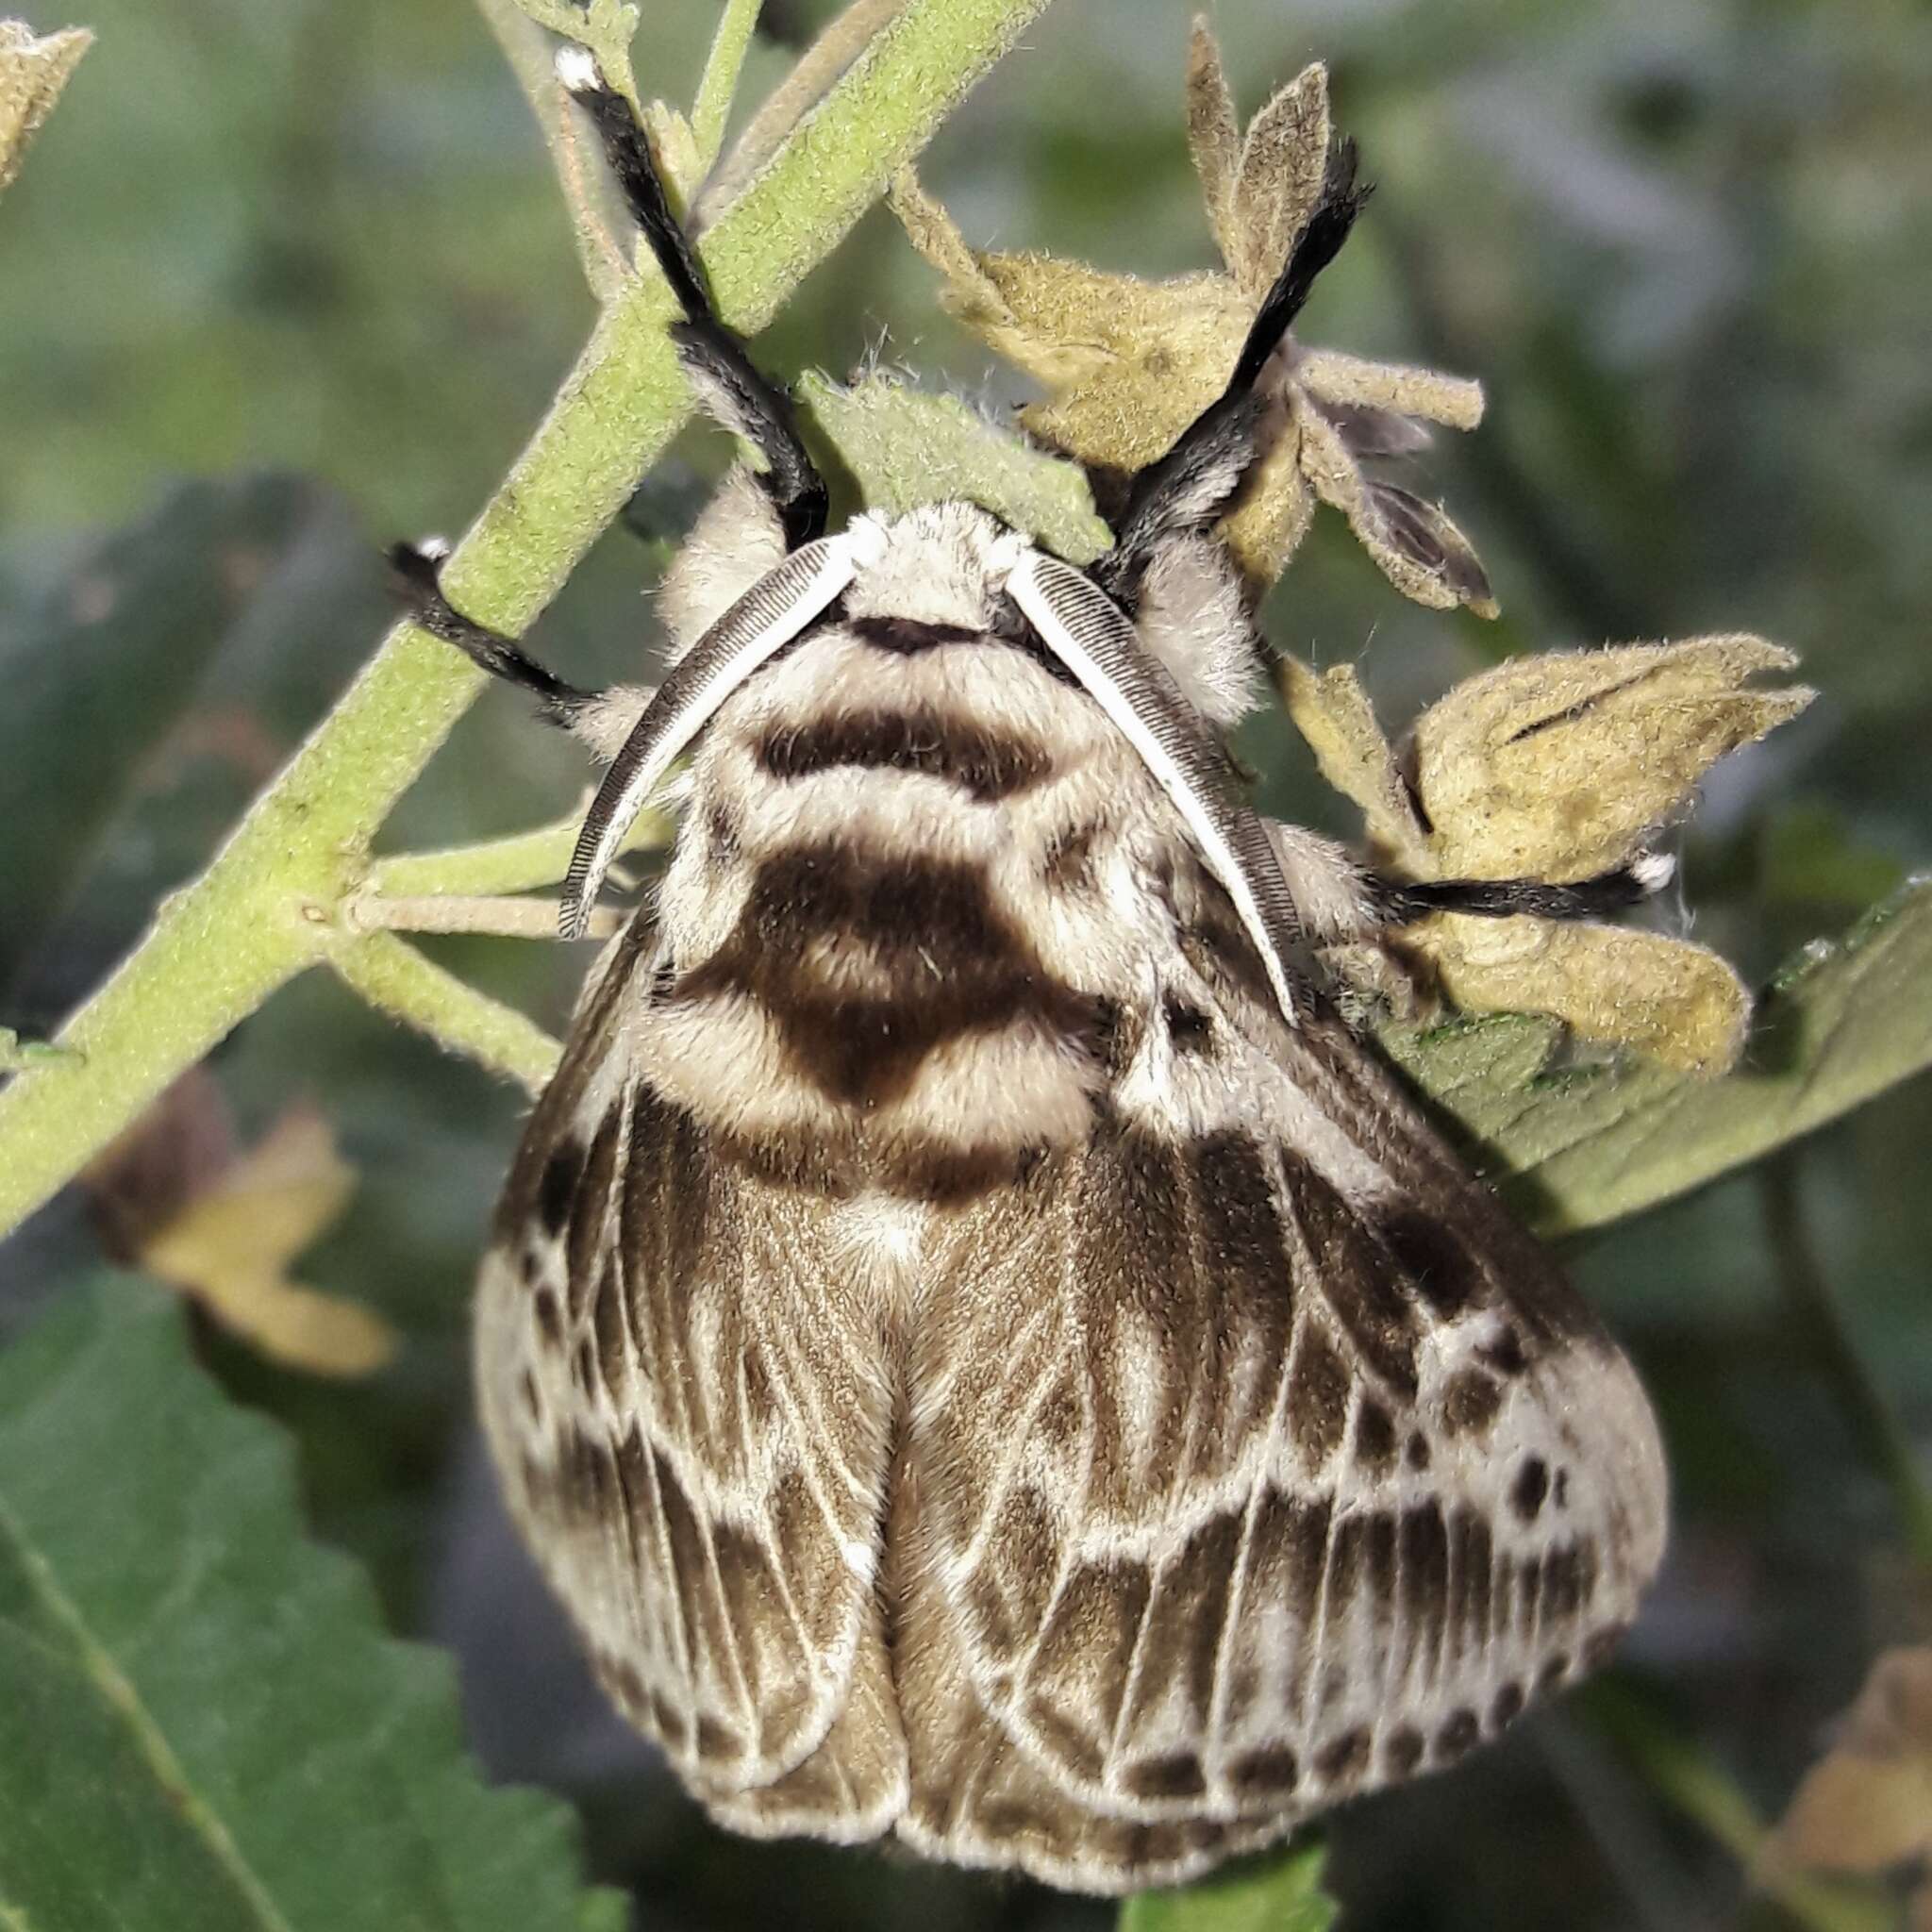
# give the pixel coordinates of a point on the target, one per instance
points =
(1653, 871)
(576, 68)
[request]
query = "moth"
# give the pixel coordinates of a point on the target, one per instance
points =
(983, 1352)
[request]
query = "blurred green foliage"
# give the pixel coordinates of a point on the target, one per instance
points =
(283, 279)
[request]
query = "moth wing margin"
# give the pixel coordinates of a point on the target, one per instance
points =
(687, 1407)
(1242, 1491)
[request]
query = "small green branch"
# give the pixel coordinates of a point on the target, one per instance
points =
(820, 65)
(605, 255)
(17, 1055)
(268, 906)
(1827, 1347)
(718, 86)
(537, 858)
(397, 980)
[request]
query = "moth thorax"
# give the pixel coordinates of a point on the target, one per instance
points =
(944, 564)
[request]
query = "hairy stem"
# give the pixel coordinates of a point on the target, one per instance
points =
(604, 251)
(537, 858)
(268, 907)
(820, 65)
(717, 88)
(397, 980)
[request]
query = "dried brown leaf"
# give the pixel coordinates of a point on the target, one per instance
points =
(1415, 544)
(1866, 1806)
(1679, 1003)
(1275, 508)
(224, 1227)
(1400, 387)
(1490, 810)
(33, 70)
(1128, 363)
(1332, 712)
(1135, 361)
(1284, 160)
(970, 293)
(1214, 138)
(232, 1246)
(1555, 766)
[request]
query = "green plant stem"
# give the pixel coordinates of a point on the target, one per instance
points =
(397, 980)
(1829, 1349)
(539, 856)
(604, 254)
(267, 906)
(718, 86)
(792, 98)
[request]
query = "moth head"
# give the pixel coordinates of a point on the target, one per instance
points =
(943, 564)
(946, 564)
(759, 570)
(940, 564)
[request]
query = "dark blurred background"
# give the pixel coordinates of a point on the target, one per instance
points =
(285, 278)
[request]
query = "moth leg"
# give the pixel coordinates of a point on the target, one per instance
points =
(602, 719)
(1341, 899)
(728, 385)
(1398, 902)
(416, 573)
(1372, 982)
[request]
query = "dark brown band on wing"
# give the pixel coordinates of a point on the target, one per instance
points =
(933, 1171)
(1447, 1230)
(908, 636)
(984, 763)
(1367, 1292)
(938, 958)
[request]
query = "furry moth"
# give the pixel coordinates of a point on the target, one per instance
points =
(981, 1350)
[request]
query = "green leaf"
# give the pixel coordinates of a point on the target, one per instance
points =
(1281, 1894)
(1585, 1146)
(905, 447)
(221, 1735)
(157, 618)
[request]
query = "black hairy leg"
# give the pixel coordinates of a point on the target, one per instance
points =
(1399, 902)
(1186, 490)
(728, 384)
(416, 571)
